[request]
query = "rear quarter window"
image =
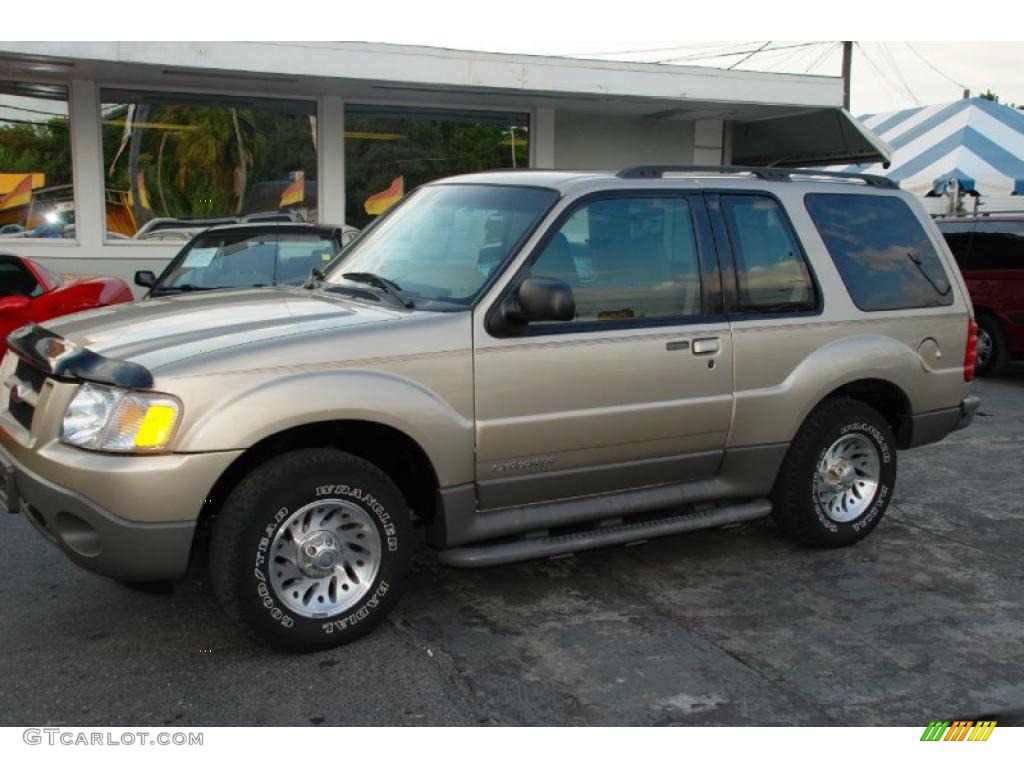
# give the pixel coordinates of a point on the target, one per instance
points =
(882, 252)
(998, 245)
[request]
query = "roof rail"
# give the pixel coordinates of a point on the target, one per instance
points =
(770, 174)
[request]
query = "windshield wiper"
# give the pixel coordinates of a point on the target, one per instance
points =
(316, 276)
(188, 287)
(392, 288)
(917, 262)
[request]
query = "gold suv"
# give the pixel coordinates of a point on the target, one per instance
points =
(523, 364)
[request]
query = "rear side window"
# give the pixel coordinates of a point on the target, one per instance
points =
(997, 245)
(881, 250)
(771, 273)
(958, 238)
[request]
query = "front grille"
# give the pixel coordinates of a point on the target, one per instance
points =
(30, 375)
(22, 413)
(25, 385)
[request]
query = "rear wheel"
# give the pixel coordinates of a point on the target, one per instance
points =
(838, 476)
(991, 353)
(312, 550)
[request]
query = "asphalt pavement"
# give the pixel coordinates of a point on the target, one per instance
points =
(921, 621)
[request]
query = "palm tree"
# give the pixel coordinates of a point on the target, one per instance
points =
(219, 144)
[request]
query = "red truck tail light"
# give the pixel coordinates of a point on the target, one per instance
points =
(971, 350)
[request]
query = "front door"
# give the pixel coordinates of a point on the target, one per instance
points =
(637, 389)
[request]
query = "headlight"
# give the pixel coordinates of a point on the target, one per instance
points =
(106, 419)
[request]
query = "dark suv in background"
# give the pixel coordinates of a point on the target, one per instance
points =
(990, 252)
(246, 256)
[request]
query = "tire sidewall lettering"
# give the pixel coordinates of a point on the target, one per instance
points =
(370, 502)
(265, 595)
(882, 492)
(372, 602)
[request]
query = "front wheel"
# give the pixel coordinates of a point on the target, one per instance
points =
(838, 476)
(312, 550)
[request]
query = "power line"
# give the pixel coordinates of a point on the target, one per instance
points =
(933, 67)
(879, 72)
(737, 63)
(791, 58)
(730, 54)
(669, 49)
(899, 74)
(828, 50)
(33, 111)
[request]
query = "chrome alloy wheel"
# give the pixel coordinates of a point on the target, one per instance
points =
(848, 476)
(324, 558)
(984, 349)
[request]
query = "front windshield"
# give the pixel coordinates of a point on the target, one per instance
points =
(445, 240)
(236, 260)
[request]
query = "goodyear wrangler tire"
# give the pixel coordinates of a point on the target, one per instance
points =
(838, 476)
(312, 550)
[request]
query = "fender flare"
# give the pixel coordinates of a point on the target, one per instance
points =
(304, 398)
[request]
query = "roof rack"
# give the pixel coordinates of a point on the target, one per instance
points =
(769, 174)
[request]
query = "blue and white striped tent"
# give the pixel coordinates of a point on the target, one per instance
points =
(976, 141)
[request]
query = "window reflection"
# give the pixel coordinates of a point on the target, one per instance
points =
(177, 161)
(771, 274)
(626, 259)
(881, 250)
(36, 194)
(391, 150)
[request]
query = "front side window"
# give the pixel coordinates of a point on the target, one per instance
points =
(171, 159)
(445, 241)
(232, 260)
(771, 272)
(627, 259)
(882, 252)
(36, 193)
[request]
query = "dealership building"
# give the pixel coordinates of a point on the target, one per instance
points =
(101, 144)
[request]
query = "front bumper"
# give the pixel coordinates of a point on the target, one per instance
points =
(91, 535)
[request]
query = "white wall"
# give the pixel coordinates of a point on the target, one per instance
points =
(586, 140)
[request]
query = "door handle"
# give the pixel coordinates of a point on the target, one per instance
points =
(705, 346)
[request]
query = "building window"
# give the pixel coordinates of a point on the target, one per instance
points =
(392, 150)
(194, 158)
(36, 194)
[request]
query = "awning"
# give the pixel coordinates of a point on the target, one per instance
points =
(812, 138)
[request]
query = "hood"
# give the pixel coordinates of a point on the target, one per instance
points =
(158, 332)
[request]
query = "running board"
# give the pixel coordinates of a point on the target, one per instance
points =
(483, 555)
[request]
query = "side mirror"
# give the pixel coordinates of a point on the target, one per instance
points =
(144, 278)
(542, 298)
(14, 303)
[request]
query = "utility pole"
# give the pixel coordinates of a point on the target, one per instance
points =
(847, 67)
